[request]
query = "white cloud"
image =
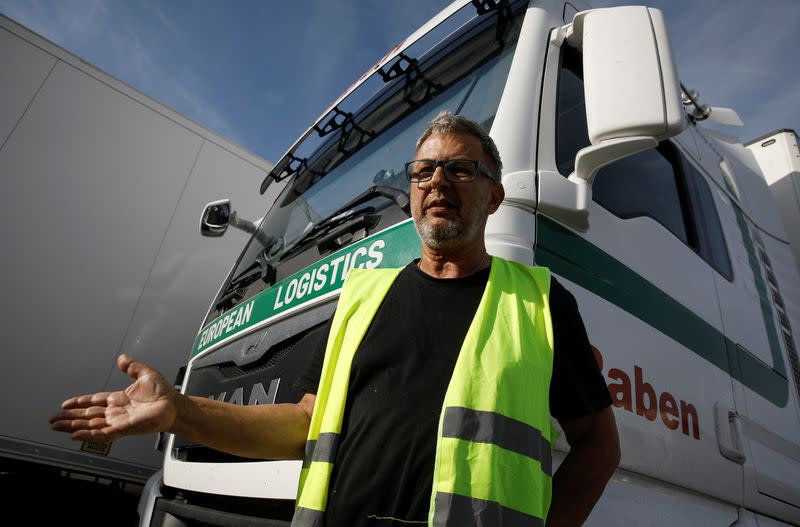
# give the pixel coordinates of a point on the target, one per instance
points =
(67, 24)
(165, 19)
(332, 24)
(271, 98)
(200, 110)
(740, 47)
(135, 62)
(743, 58)
(779, 111)
(120, 40)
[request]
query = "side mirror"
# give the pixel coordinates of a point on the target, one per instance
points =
(217, 216)
(215, 219)
(633, 94)
(633, 99)
(629, 74)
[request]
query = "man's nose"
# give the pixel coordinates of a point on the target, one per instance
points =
(438, 178)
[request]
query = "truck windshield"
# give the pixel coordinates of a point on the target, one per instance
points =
(344, 179)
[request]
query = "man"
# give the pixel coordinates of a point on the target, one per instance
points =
(433, 404)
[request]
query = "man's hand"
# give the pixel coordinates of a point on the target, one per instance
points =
(148, 405)
(594, 455)
(151, 404)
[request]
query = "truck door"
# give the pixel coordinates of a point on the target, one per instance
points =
(758, 330)
(644, 283)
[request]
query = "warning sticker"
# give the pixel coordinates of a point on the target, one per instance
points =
(100, 448)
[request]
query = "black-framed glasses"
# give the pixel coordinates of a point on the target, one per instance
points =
(455, 170)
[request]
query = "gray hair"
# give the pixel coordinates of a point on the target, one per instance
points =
(450, 123)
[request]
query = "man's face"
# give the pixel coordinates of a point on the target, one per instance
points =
(448, 214)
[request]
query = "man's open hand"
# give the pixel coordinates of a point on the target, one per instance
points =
(148, 405)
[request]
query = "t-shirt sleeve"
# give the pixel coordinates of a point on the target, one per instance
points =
(308, 382)
(577, 387)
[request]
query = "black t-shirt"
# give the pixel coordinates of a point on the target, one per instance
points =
(382, 476)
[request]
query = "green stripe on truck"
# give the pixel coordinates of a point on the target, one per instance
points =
(577, 260)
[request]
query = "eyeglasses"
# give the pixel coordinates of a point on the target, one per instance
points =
(455, 170)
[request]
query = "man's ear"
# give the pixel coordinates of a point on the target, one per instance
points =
(498, 193)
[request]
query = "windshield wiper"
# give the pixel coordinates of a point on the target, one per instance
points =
(260, 269)
(331, 233)
(400, 197)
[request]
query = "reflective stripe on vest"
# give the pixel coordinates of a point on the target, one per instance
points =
(453, 510)
(493, 452)
(499, 430)
(308, 517)
(322, 449)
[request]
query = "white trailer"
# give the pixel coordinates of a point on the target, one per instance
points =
(778, 155)
(102, 193)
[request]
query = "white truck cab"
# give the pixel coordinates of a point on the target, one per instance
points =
(666, 233)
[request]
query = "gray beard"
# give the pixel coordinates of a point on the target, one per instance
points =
(446, 236)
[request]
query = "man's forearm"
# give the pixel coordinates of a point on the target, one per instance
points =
(268, 431)
(582, 477)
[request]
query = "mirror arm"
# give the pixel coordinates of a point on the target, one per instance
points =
(243, 225)
(591, 159)
(249, 227)
(567, 199)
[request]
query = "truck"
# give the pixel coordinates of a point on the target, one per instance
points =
(102, 190)
(676, 241)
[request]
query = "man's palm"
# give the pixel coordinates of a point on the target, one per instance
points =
(147, 405)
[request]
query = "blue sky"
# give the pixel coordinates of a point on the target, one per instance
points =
(259, 72)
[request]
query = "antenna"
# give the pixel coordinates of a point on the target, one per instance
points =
(701, 112)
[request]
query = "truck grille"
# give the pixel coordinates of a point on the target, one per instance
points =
(268, 379)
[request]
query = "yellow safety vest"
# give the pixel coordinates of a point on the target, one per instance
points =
(493, 463)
